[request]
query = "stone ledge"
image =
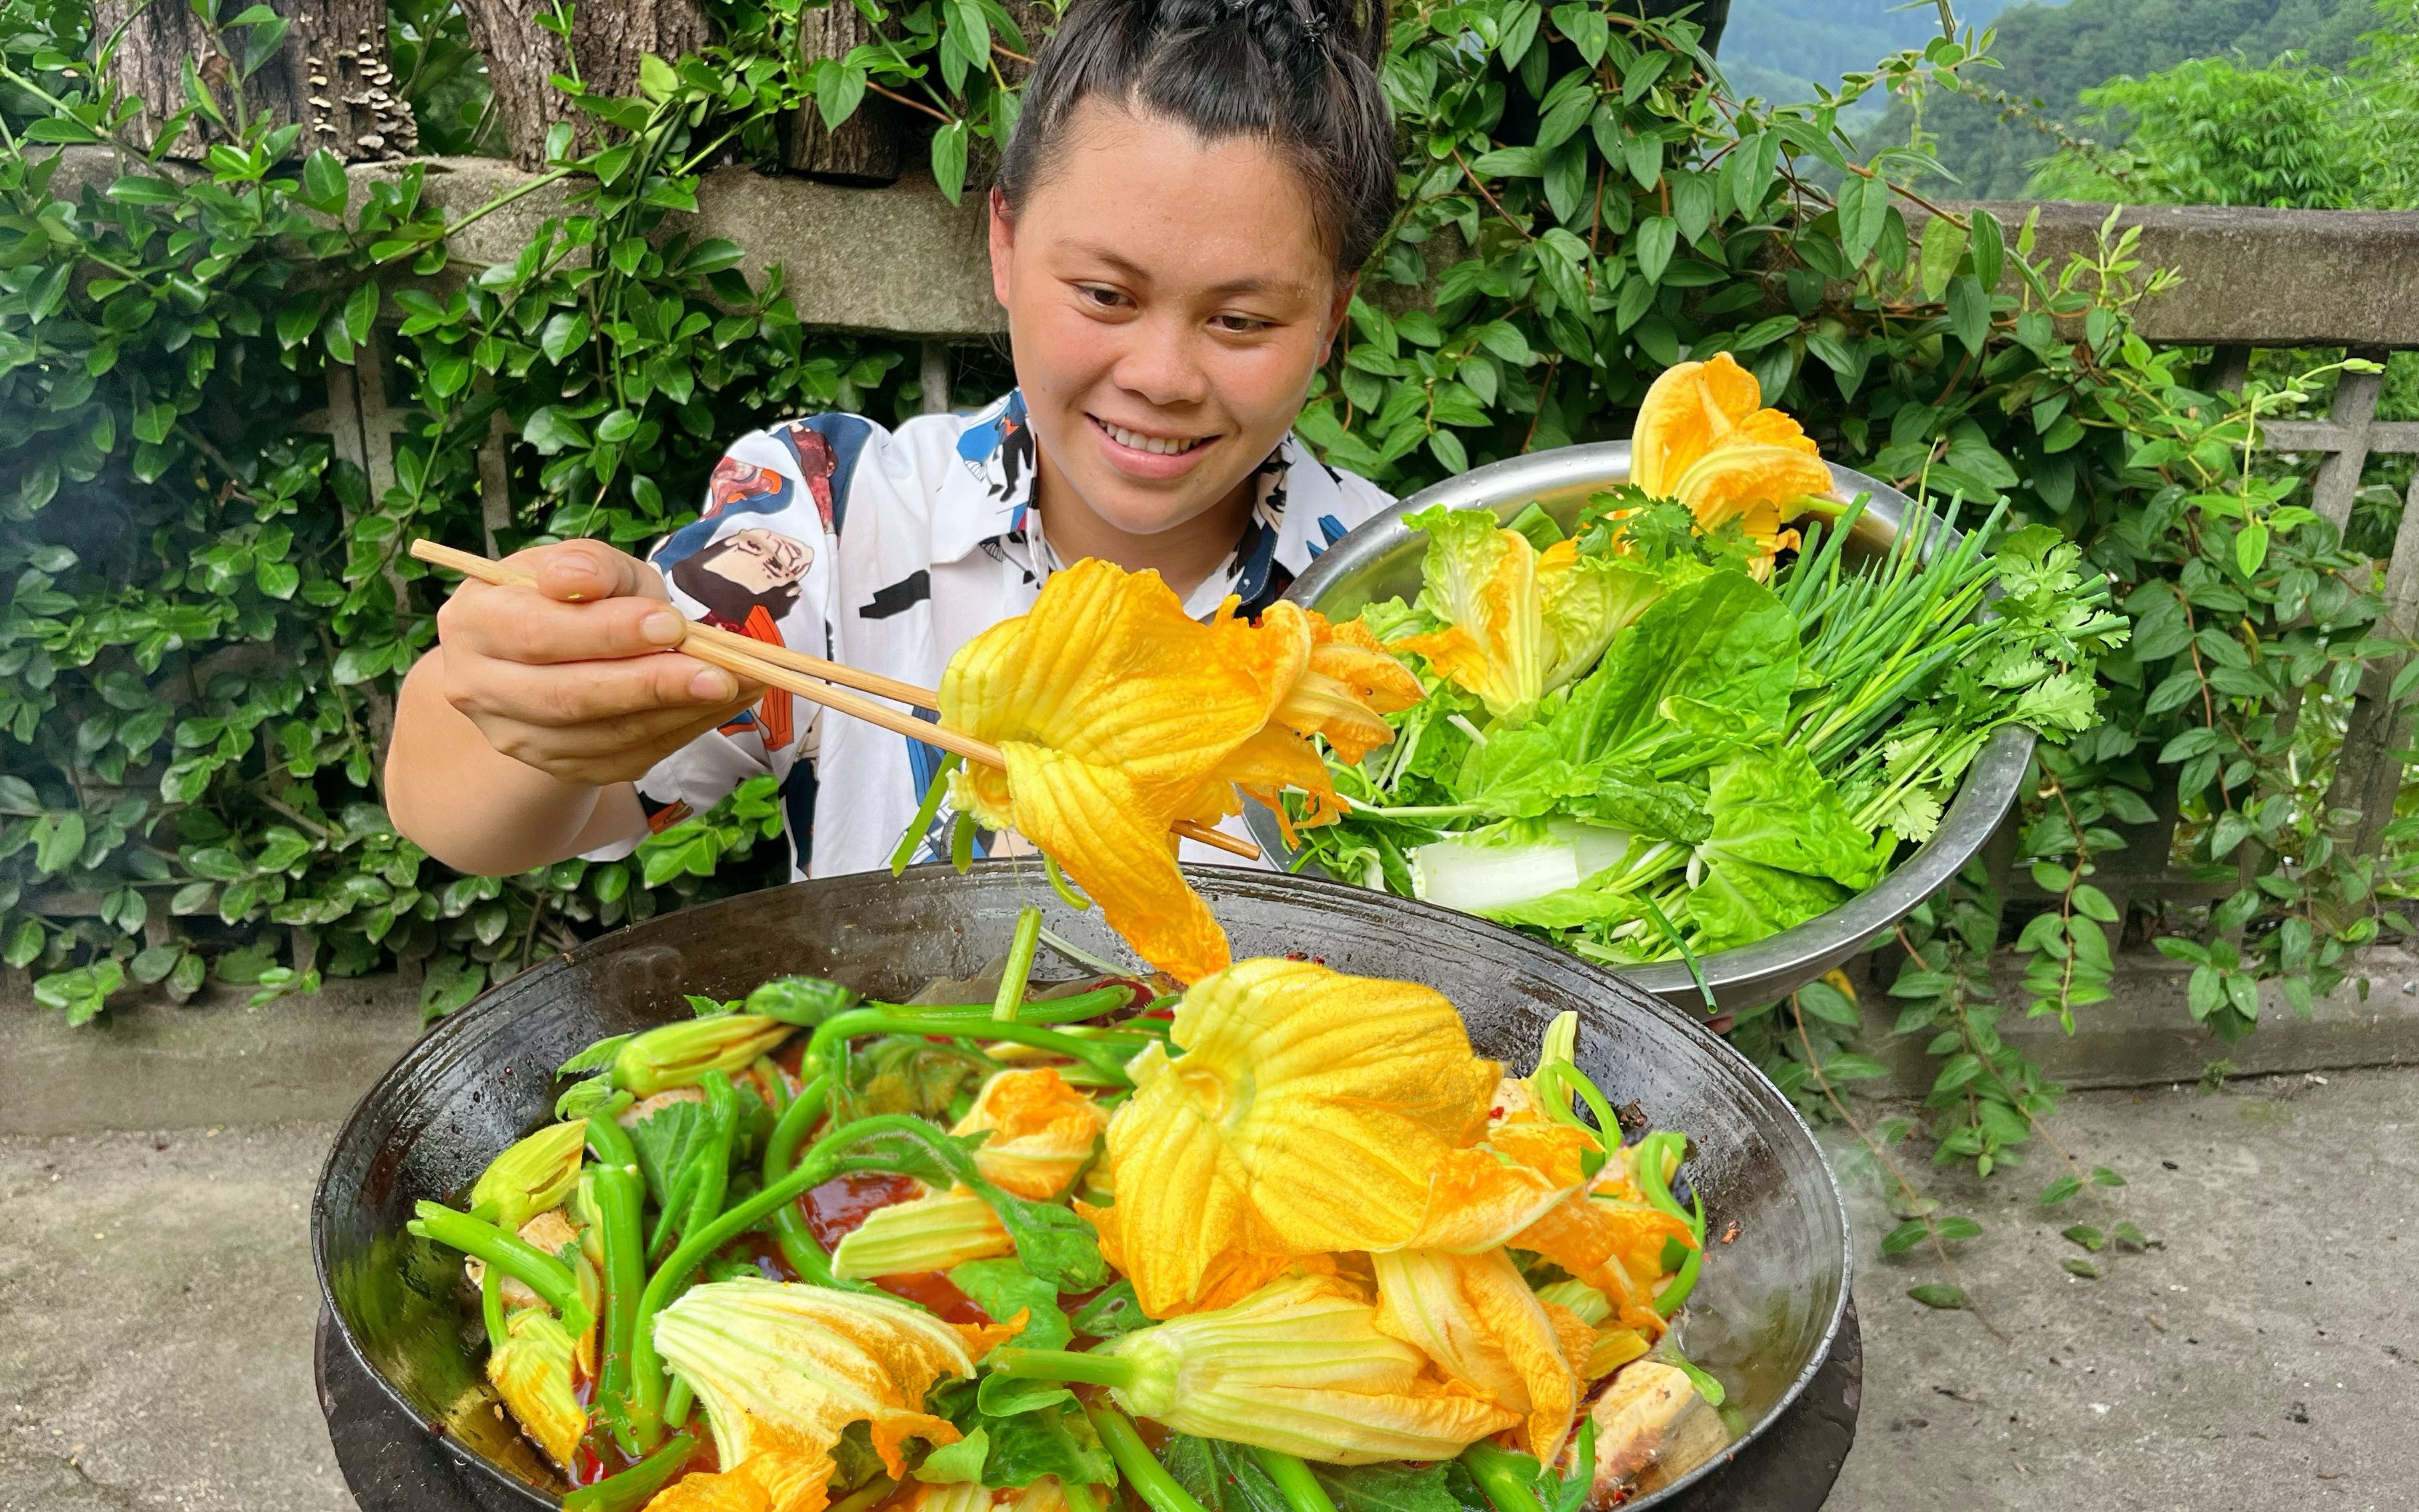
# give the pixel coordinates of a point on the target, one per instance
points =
(151, 1065)
(904, 261)
(2145, 1034)
(2249, 275)
(900, 260)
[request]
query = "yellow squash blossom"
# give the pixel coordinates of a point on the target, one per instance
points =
(783, 1368)
(1041, 1131)
(532, 1372)
(933, 1232)
(1612, 1246)
(1482, 1194)
(1476, 1318)
(1703, 439)
(771, 1480)
(531, 1175)
(1118, 716)
(1517, 623)
(1299, 1366)
(1304, 1117)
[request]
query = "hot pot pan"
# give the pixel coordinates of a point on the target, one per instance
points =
(401, 1368)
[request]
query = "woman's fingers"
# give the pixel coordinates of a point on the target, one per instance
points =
(578, 693)
(524, 624)
(583, 572)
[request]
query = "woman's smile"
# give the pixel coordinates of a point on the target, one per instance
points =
(1149, 454)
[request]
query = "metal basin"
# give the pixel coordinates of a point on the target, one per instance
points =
(1381, 560)
(1766, 1312)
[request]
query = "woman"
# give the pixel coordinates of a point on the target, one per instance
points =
(1174, 236)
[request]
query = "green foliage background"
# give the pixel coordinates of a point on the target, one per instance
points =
(2048, 55)
(202, 610)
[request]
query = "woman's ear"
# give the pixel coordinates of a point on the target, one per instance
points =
(1337, 310)
(1002, 236)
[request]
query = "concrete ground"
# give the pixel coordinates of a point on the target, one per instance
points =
(155, 1297)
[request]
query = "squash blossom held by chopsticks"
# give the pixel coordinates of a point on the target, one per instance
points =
(1119, 716)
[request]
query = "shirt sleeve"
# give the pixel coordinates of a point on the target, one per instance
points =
(760, 562)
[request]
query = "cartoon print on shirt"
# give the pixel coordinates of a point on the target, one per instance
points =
(738, 482)
(816, 464)
(1000, 452)
(747, 581)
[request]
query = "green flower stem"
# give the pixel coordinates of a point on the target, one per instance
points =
(634, 1488)
(1141, 1468)
(524, 1262)
(678, 1398)
(1507, 1476)
(820, 1164)
(1560, 1079)
(1653, 1151)
(1020, 965)
(862, 1021)
(713, 1161)
(491, 1307)
(619, 1193)
(925, 812)
(1674, 1294)
(1063, 1364)
(790, 1231)
(1301, 1489)
(1059, 885)
(873, 1493)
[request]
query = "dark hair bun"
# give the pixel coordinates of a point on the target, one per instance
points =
(1299, 75)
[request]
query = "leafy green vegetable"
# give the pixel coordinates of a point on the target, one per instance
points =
(1222, 1477)
(1004, 1288)
(1724, 640)
(1387, 1487)
(805, 1001)
(1115, 1311)
(1051, 1440)
(954, 1463)
(1742, 758)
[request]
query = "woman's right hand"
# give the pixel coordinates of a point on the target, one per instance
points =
(572, 676)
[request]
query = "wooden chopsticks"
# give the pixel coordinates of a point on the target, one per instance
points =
(810, 678)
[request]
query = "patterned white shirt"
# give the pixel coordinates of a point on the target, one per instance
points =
(888, 550)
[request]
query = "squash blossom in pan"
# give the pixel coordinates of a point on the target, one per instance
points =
(1313, 1114)
(531, 1175)
(1299, 1366)
(781, 1370)
(532, 1372)
(1476, 1318)
(1040, 1131)
(1703, 439)
(680, 1055)
(1118, 716)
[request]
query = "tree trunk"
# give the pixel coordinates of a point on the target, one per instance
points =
(332, 72)
(607, 42)
(870, 146)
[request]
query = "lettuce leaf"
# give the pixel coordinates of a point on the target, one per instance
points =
(1725, 640)
(1771, 807)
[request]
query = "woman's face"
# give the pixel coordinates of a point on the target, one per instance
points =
(1168, 302)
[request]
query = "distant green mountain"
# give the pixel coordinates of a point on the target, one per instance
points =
(2053, 54)
(1809, 40)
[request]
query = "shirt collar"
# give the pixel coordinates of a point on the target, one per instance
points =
(996, 467)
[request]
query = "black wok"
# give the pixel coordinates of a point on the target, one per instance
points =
(1764, 1315)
